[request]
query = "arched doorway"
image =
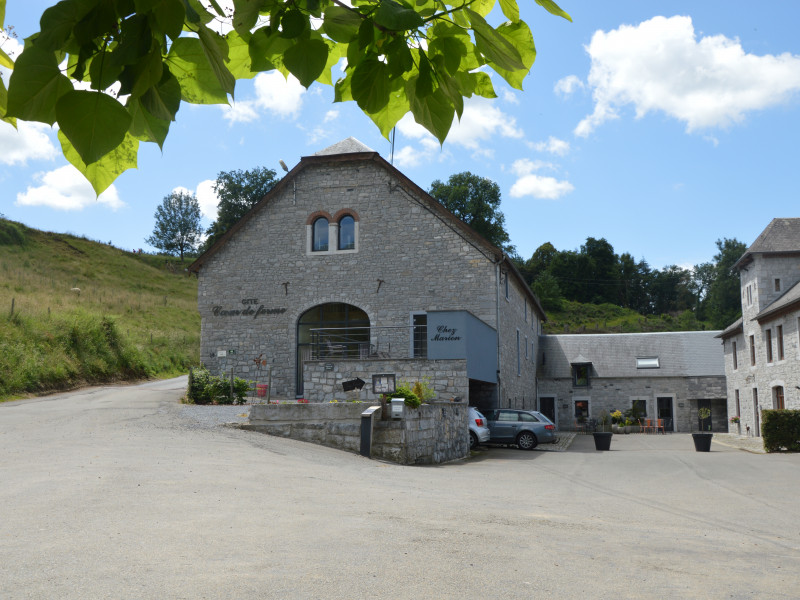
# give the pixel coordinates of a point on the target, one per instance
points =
(334, 330)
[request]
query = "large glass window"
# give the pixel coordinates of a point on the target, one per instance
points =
(319, 235)
(347, 233)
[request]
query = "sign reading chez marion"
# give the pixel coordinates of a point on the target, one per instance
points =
(249, 310)
(445, 334)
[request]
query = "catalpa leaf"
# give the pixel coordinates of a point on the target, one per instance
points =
(169, 16)
(370, 85)
(3, 103)
(94, 123)
(397, 106)
(245, 16)
(493, 45)
(163, 100)
(341, 24)
(510, 9)
(553, 9)
(518, 34)
(104, 171)
(239, 62)
(198, 82)
(397, 17)
(306, 59)
(35, 86)
(434, 111)
(5, 60)
(216, 50)
(144, 126)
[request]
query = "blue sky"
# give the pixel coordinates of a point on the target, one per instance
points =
(660, 126)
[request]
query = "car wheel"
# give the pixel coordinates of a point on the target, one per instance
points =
(473, 440)
(527, 441)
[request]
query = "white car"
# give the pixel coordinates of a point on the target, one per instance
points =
(478, 429)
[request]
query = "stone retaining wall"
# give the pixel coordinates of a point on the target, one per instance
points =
(431, 434)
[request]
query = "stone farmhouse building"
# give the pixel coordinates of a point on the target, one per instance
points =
(668, 376)
(762, 348)
(348, 273)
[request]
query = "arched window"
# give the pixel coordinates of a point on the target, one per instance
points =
(347, 233)
(319, 235)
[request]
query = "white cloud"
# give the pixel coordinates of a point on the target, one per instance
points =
(481, 124)
(566, 85)
(274, 94)
(28, 142)
(553, 145)
(408, 156)
(66, 189)
(659, 65)
(331, 115)
(537, 186)
(509, 96)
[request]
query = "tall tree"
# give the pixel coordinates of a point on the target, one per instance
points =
(401, 57)
(238, 191)
(177, 230)
(604, 265)
(476, 201)
(724, 304)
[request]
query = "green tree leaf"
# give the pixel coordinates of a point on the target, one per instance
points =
(169, 16)
(553, 9)
(216, 50)
(493, 45)
(245, 16)
(434, 111)
(144, 126)
(198, 82)
(266, 51)
(394, 110)
(341, 24)
(35, 86)
(293, 24)
(306, 59)
(518, 34)
(239, 62)
(370, 85)
(163, 100)
(397, 17)
(3, 104)
(93, 122)
(510, 9)
(334, 54)
(143, 75)
(104, 171)
(5, 60)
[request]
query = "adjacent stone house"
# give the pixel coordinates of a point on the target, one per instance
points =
(348, 272)
(668, 376)
(762, 348)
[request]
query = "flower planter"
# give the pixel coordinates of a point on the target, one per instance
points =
(602, 440)
(702, 441)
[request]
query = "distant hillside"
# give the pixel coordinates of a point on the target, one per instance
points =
(75, 311)
(575, 317)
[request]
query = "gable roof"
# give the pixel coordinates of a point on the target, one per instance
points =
(781, 236)
(349, 150)
(680, 354)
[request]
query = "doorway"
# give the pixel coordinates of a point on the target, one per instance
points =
(547, 406)
(664, 412)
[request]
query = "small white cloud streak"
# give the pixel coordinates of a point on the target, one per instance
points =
(659, 65)
(274, 94)
(66, 189)
(537, 186)
(566, 85)
(553, 145)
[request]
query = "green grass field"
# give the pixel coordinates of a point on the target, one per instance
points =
(135, 315)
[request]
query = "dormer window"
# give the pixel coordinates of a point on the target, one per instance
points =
(580, 374)
(647, 362)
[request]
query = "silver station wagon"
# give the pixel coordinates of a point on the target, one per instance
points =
(525, 428)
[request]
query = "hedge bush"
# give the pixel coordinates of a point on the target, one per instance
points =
(780, 430)
(205, 388)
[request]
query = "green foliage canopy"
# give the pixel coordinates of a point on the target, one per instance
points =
(177, 229)
(238, 191)
(140, 59)
(476, 201)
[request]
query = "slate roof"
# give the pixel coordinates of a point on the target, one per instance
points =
(347, 146)
(680, 354)
(788, 301)
(736, 327)
(780, 236)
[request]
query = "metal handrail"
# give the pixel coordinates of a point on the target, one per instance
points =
(359, 343)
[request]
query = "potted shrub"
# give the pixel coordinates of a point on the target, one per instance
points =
(602, 437)
(702, 439)
(617, 422)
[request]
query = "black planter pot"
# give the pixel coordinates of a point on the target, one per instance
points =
(602, 440)
(702, 441)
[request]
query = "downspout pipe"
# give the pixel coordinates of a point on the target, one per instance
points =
(497, 263)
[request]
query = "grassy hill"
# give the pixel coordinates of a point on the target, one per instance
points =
(135, 315)
(575, 317)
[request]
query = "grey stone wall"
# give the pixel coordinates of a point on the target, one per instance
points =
(761, 379)
(447, 377)
(517, 385)
(407, 259)
(431, 434)
(610, 394)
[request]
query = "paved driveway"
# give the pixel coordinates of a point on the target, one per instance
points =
(123, 493)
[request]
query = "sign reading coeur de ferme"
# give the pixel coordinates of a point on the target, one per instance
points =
(251, 309)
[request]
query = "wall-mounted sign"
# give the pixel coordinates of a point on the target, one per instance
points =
(251, 309)
(329, 366)
(222, 353)
(383, 384)
(446, 334)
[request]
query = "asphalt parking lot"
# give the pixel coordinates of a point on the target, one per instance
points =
(124, 493)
